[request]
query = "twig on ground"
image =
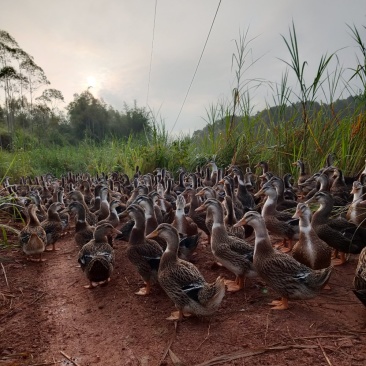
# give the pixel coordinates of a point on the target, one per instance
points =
(325, 336)
(69, 358)
(325, 355)
(256, 351)
(292, 338)
(205, 339)
(6, 278)
(169, 344)
(266, 331)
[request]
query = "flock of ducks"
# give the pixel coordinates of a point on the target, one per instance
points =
(164, 220)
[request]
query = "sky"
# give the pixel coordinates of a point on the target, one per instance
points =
(149, 50)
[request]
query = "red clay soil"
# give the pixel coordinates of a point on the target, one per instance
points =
(48, 318)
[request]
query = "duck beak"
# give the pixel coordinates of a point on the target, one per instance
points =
(123, 214)
(241, 222)
(200, 193)
(200, 208)
(65, 210)
(296, 215)
(259, 193)
(294, 163)
(153, 234)
(117, 231)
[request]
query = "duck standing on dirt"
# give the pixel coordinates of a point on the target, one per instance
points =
(233, 253)
(183, 282)
(310, 249)
(83, 231)
(144, 254)
(97, 257)
(53, 225)
(32, 237)
(284, 274)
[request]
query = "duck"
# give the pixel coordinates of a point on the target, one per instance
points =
(41, 211)
(243, 195)
(282, 203)
(283, 273)
(183, 223)
(103, 212)
(233, 253)
(143, 253)
(32, 237)
(339, 187)
(359, 281)
(78, 196)
(199, 218)
(183, 282)
(180, 186)
(52, 225)
(303, 184)
(356, 212)
(96, 258)
(310, 249)
(290, 192)
(230, 219)
(338, 233)
(83, 231)
(113, 217)
(187, 230)
(278, 223)
(65, 217)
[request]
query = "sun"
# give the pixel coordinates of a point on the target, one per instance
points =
(91, 81)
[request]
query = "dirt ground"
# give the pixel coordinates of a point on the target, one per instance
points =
(48, 318)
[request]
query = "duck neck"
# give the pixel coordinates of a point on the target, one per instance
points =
(262, 244)
(269, 207)
(33, 219)
(170, 255)
(81, 217)
(137, 234)
(53, 215)
(321, 215)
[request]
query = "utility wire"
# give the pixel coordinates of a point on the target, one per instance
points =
(151, 56)
(198, 64)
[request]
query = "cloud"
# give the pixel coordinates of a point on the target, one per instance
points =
(111, 41)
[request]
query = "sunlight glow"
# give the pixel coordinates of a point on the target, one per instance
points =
(91, 81)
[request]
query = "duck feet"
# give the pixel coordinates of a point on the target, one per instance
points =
(53, 249)
(175, 315)
(280, 304)
(285, 249)
(178, 315)
(144, 290)
(339, 261)
(38, 260)
(91, 285)
(233, 286)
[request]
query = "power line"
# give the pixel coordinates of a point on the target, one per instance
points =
(198, 64)
(151, 56)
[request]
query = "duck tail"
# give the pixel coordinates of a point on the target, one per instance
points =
(324, 275)
(215, 293)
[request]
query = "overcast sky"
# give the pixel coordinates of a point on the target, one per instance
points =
(108, 44)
